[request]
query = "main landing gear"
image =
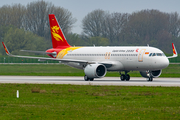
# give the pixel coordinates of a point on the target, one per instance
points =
(88, 79)
(125, 76)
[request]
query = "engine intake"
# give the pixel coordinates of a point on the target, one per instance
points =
(95, 70)
(154, 74)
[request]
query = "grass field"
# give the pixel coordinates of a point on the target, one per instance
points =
(62, 70)
(88, 102)
(50, 101)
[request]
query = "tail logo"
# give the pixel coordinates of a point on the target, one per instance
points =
(55, 31)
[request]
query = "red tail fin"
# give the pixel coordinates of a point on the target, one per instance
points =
(57, 36)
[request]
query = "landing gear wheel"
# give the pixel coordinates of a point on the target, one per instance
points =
(123, 77)
(86, 78)
(127, 77)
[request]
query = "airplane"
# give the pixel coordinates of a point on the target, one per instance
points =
(96, 61)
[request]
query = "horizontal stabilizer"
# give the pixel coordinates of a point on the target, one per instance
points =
(40, 52)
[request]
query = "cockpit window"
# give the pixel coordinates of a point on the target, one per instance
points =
(158, 54)
(154, 54)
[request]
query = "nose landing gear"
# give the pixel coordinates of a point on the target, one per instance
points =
(150, 79)
(149, 74)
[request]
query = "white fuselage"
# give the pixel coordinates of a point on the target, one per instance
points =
(122, 58)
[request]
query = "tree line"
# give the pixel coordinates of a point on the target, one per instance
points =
(159, 29)
(27, 27)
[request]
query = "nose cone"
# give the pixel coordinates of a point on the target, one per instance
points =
(165, 62)
(161, 63)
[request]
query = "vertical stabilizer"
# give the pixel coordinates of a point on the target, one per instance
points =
(57, 36)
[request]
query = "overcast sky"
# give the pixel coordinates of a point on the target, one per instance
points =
(80, 8)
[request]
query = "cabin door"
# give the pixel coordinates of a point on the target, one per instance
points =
(141, 54)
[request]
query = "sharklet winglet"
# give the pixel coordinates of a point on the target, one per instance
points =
(5, 48)
(175, 54)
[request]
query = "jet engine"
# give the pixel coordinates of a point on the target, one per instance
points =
(95, 70)
(154, 74)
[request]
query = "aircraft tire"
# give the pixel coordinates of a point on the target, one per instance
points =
(91, 79)
(127, 77)
(123, 77)
(86, 78)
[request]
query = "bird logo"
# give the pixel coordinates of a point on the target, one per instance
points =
(55, 33)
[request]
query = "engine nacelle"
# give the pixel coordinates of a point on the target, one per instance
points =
(154, 74)
(95, 70)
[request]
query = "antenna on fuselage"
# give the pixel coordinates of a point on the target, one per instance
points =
(148, 45)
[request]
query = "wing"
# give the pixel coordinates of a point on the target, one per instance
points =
(175, 54)
(83, 62)
(44, 58)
